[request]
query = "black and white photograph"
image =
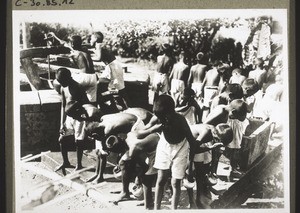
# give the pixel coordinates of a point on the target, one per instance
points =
(144, 110)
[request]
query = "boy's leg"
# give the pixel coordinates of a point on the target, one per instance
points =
(64, 143)
(190, 193)
(127, 168)
(162, 177)
(79, 152)
(100, 167)
(235, 162)
(203, 198)
(176, 186)
(147, 181)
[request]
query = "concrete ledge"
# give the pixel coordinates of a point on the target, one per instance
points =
(30, 102)
(50, 100)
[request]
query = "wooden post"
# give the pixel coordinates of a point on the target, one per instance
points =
(239, 192)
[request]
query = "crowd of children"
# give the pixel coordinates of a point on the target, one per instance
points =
(199, 112)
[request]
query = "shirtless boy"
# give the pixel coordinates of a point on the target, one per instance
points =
(110, 134)
(114, 71)
(197, 75)
(74, 97)
(229, 92)
(179, 77)
(165, 63)
(236, 109)
(81, 58)
(208, 138)
(210, 87)
(172, 149)
(188, 107)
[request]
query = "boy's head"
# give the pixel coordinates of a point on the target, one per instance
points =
(63, 76)
(237, 71)
(95, 130)
(223, 133)
(250, 87)
(163, 105)
(96, 37)
(234, 91)
(76, 42)
(222, 68)
(166, 48)
(115, 144)
(199, 56)
(238, 110)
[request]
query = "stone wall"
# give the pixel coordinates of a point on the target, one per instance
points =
(40, 121)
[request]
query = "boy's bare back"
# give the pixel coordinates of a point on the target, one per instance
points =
(212, 77)
(198, 73)
(164, 64)
(175, 129)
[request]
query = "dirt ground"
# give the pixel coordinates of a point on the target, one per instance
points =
(81, 202)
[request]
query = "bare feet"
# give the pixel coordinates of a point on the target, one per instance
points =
(92, 178)
(63, 167)
(78, 167)
(122, 197)
(98, 180)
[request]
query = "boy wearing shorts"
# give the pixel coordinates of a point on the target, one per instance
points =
(172, 149)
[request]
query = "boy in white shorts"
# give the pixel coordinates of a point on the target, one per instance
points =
(172, 149)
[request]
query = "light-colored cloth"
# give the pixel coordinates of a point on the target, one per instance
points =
(160, 82)
(177, 86)
(75, 127)
(89, 82)
(114, 72)
(197, 88)
(238, 128)
(209, 93)
(204, 157)
(172, 155)
(189, 115)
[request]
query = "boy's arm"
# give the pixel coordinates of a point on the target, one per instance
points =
(63, 113)
(215, 117)
(171, 74)
(97, 53)
(190, 79)
(198, 111)
(144, 132)
(82, 63)
(152, 126)
(190, 138)
(204, 82)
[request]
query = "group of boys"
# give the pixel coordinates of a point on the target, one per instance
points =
(173, 140)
